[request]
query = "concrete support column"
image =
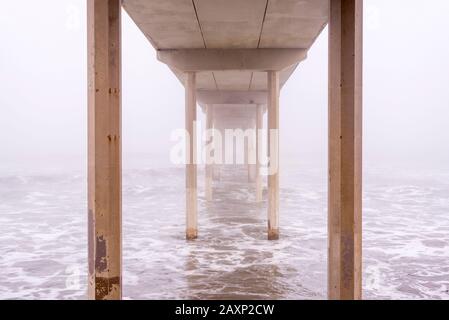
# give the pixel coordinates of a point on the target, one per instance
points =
(259, 126)
(345, 150)
(221, 168)
(215, 166)
(104, 150)
(208, 166)
(246, 159)
(191, 167)
(252, 151)
(273, 154)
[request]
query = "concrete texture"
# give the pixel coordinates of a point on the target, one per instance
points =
(230, 24)
(104, 150)
(345, 150)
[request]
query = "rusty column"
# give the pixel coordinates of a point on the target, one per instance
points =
(104, 149)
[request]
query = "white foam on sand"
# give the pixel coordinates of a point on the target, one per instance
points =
(44, 248)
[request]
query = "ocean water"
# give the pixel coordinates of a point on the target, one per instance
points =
(43, 247)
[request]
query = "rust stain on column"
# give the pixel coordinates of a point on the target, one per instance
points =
(106, 288)
(90, 241)
(101, 263)
(104, 149)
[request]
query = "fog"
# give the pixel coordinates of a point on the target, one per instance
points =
(43, 102)
(43, 164)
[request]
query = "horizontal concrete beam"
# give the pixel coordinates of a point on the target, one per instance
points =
(196, 60)
(236, 109)
(231, 97)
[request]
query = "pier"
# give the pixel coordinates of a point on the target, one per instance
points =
(233, 58)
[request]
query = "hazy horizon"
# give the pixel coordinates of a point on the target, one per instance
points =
(44, 102)
(44, 220)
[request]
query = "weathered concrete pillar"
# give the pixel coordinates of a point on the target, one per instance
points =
(251, 157)
(273, 154)
(345, 150)
(191, 166)
(208, 165)
(104, 149)
(218, 145)
(222, 128)
(246, 151)
(259, 126)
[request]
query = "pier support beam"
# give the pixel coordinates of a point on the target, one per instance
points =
(104, 150)
(345, 150)
(251, 149)
(191, 166)
(218, 142)
(273, 154)
(197, 60)
(209, 166)
(259, 127)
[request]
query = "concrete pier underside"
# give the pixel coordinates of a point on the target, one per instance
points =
(230, 24)
(232, 46)
(233, 57)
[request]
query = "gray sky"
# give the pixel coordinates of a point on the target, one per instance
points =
(43, 90)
